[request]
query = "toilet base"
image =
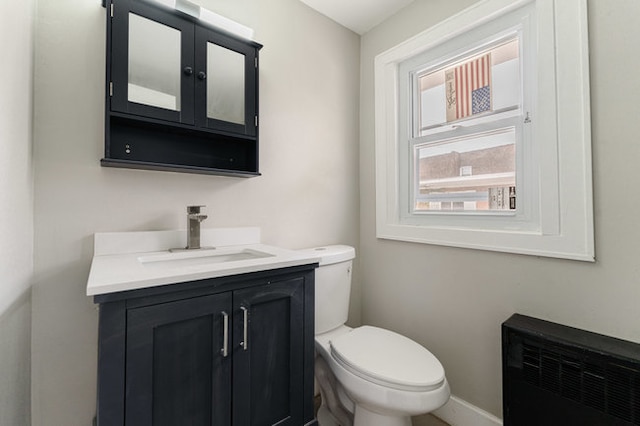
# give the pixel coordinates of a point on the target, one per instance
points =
(332, 412)
(325, 418)
(364, 417)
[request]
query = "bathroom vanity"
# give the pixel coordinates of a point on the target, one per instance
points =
(227, 338)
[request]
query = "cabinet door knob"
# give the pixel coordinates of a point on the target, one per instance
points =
(202, 75)
(188, 71)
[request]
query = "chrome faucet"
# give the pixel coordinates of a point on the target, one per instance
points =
(194, 217)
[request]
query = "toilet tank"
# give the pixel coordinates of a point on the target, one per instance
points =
(333, 286)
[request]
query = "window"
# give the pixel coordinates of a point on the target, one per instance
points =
(466, 113)
(482, 132)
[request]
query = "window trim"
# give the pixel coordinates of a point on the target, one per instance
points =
(564, 224)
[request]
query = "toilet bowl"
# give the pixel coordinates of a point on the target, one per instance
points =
(368, 376)
(387, 377)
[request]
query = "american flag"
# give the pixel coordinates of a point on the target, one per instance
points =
(468, 88)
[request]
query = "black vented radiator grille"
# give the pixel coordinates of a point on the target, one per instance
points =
(558, 375)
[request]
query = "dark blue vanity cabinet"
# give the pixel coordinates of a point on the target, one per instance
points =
(235, 351)
(181, 95)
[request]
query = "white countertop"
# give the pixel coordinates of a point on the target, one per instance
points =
(134, 260)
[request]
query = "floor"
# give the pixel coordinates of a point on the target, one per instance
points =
(428, 420)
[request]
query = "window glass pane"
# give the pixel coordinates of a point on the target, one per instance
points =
(225, 84)
(480, 84)
(475, 172)
(505, 76)
(154, 63)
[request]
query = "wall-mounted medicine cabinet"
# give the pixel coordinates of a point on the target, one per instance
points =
(181, 95)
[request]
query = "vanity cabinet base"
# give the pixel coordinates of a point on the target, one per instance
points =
(234, 350)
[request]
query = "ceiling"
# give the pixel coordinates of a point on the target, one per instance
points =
(357, 15)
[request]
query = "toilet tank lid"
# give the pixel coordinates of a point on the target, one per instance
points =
(332, 254)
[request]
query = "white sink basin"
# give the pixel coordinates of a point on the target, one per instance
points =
(200, 257)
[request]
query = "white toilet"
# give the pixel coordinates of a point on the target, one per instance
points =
(367, 376)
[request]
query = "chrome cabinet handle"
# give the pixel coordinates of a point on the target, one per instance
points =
(225, 338)
(245, 327)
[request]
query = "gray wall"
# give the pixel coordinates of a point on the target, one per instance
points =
(16, 211)
(308, 194)
(453, 300)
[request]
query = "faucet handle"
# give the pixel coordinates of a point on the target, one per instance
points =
(194, 209)
(197, 216)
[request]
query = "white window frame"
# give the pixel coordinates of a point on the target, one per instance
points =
(558, 221)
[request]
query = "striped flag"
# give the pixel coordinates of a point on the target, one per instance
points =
(468, 88)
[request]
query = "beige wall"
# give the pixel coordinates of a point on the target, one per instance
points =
(454, 300)
(308, 194)
(16, 210)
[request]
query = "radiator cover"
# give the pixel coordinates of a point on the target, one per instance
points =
(558, 375)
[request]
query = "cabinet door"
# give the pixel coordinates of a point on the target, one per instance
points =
(226, 83)
(268, 363)
(176, 371)
(152, 63)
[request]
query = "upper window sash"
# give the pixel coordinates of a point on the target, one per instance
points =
(440, 93)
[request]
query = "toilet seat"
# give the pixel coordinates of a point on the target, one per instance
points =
(388, 359)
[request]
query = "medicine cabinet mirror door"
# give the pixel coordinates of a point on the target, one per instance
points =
(226, 83)
(152, 63)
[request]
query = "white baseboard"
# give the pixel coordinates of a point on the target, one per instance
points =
(458, 412)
